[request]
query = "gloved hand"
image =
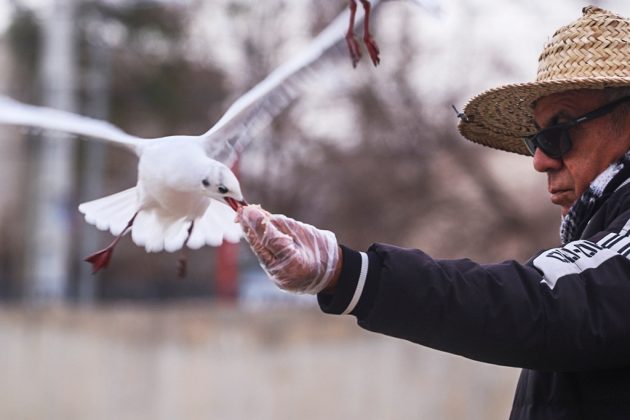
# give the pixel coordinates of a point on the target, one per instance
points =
(298, 257)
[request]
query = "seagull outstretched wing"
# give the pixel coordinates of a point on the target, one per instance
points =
(257, 107)
(17, 113)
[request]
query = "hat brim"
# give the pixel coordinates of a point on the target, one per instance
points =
(500, 118)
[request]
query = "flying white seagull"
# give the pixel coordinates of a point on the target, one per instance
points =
(186, 194)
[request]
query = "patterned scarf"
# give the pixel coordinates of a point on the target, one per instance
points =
(574, 223)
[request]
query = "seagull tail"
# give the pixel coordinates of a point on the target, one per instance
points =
(156, 231)
(113, 212)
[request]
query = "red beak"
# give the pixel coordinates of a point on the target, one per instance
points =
(235, 204)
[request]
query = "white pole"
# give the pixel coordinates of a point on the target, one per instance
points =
(47, 271)
(93, 173)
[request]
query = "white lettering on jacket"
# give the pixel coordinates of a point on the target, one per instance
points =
(578, 256)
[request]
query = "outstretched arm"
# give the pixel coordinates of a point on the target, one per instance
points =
(562, 311)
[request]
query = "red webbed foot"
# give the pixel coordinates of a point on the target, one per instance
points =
(100, 259)
(354, 48)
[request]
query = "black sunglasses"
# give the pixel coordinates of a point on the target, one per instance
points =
(555, 141)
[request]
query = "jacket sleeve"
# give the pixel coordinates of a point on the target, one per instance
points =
(567, 309)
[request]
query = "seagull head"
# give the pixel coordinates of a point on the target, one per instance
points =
(221, 184)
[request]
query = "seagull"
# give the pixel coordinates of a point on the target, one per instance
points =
(432, 6)
(186, 195)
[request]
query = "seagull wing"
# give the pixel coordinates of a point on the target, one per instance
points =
(13, 112)
(256, 108)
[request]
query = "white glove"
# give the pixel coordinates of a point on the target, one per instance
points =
(298, 257)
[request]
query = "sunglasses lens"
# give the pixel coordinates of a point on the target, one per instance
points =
(549, 141)
(553, 141)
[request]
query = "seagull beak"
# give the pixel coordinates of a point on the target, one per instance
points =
(235, 204)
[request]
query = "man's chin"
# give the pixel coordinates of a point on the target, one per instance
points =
(564, 199)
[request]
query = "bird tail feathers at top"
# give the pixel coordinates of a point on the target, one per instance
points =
(113, 212)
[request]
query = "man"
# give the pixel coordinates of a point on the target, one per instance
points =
(564, 316)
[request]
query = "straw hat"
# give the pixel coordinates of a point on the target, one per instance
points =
(591, 53)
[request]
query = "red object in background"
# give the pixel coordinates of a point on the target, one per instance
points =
(227, 271)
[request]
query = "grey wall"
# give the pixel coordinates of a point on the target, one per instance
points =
(202, 362)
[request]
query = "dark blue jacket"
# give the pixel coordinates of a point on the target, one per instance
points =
(564, 316)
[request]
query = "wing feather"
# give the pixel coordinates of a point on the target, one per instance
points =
(13, 112)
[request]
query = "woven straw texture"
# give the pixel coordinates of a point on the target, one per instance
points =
(591, 53)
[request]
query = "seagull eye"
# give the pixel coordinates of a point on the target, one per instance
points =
(205, 183)
(223, 189)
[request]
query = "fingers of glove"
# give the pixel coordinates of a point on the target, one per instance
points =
(318, 243)
(313, 262)
(253, 221)
(266, 240)
(315, 256)
(305, 236)
(256, 221)
(286, 224)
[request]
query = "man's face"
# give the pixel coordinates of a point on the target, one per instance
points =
(596, 144)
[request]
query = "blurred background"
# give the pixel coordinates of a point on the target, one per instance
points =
(372, 154)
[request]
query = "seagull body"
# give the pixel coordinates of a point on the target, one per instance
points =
(177, 184)
(186, 195)
(183, 197)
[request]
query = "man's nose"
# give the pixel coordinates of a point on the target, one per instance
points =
(544, 163)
